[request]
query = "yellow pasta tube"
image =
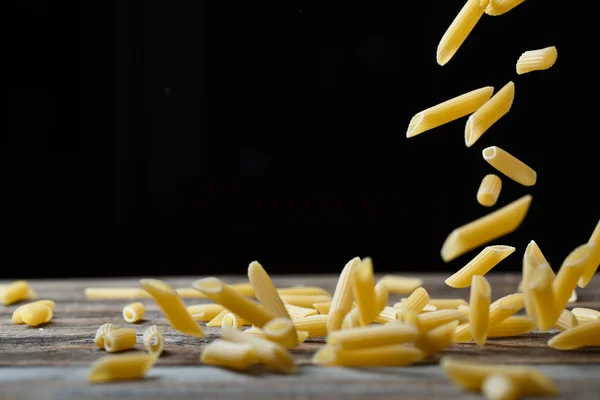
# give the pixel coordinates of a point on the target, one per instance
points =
(586, 334)
(459, 29)
(509, 165)
(315, 325)
(36, 314)
(401, 284)
(373, 336)
(381, 296)
(218, 319)
(566, 320)
(594, 261)
(447, 304)
(302, 336)
(489, 190)
(18, 319)
(323, 307)
(512, 326)
(479, 309)
(381, 356)
(471, 375)
(415, 302)
(281, 330)
(222, 294)
(536, 60)
(101, 332)
(154, 340)
(488, 114)
(238, 356)
(352, 319)
(363, 290)
(204, 312)
(500, 387)
(485, 229)
(119, 340)
(304, 291)
(232, 320)
(133, 312)
(546, 311)
(585, 314)
(432, 320)
(573, 298)
(300, 312)
(487, 259)
(446, 112)
(569, 273)
(304, 301)
(120, 367)
(15, 292)
(437, 339)
(341, 303)
(172, 307)
(499, 7)
(388, 314)
(271, 354)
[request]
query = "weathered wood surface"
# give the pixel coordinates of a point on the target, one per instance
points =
(26, 354)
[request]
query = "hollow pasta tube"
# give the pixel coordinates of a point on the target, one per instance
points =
(479, 309)
(546, 311)
(315, 325)
(119, 340)
(586, 334)
(488, 114)
(120, 367)
(102, 331)
(388, 314)
(510, 166)
(512, 326)
(133, 312)
(304, 301)
(154, 340)
(569, 273)
(487, 259)
(585, 314)
(300, 312)
(566, 320)
(432, 320)
(238, 356)
(204, 312)
(373, 336)
(499, 7)
(232, 320)
(489, 190)
(594, 260)
(341, 303)
(363, 290)
(17, 317)
(323, 307)
(393, 355)
(352, 319)
(218, 319)
(36, 314)
(415, 302)
(536, 60)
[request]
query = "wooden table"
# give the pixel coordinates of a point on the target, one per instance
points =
(52, 362)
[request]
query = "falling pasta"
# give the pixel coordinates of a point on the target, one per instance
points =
(594, 260)
(380, 356)
(487, 259)
(154, 340)
(238, 356)
(119, 340)
(120, 367)
(488, 114)
(363, 290)
(341, 303)
(499, 7)
(133, 312)
(479, 309)
(586, 334)
(489, 190)
(536, 60)
(510, 166)
(569, 273)
(101, 332)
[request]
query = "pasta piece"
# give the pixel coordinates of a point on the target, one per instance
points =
(510, 166)
(323, 307)
(401, 284)
(573, 298)
(536, 60)
(532, 259)
(304, 301)
(244, 288)
(485, 229)
(269, 353)
(444, 113)
(154, 340)
(300, 312)
(479, 309)
(546, 311)
(437, 339)
(302, 336)
(381, 356)
(18, 319)
(487, 259)
(489, 190)
(238, 356)
(432, 320)
(315, 325)
(569, 273)
(126, 293)
(304, 291)
(363, 290)
(119, 340)
(586, 334)
(499, 7)
(464, 310)
(459, 29)
(447, 304)
(36, 314)
(352, 319)
(15, 292)
(281, 330)
(101, 332)
(222, 294)
(172, 307)
(341, 303)
(121, 367)
(500, 387)
(232, 320)
(205, 312)
(373, 336)
(566, 320)
(512, 326)
(415, 302)
(594, 260)
(470, 375)
(388, 314)
(488, 114)
(381, 296)
(133, 312)
(218, 319)
(585, 314)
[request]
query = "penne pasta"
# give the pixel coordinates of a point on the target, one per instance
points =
(315, 325)
(594, 261)
(586, 334)
(487, 259)
(381, 296)
(489, 190)
(281, 330)
(373, 336)
(204, 312)
(221, 293)
(304, 291)
(569, 273)
(447, 304)
(437, 339)
(536, 60)
(119, 340)
(352, 319)
(244, 288)
(444, 113)
(512, 326)
(415, 302)
(233, 321)
(573, 298)
(388, 314)
(510, 166)
(101, 332)
(299, 312)
(532, 259)
(133, 312)
(485, 229)
(470, 375)
(341, 303)
(154, 340)
(546, 311)
(434, 319)
(36, 314)
(304, 301)
(479, 309)
(237, 356)
(401, 284)
(15, 292)
(381, 356)
(363, 290)
(17, 317)
(218, 319)
(488, 114)
(500, 387)
(499, 7)
(172, 307)
(128, 293)
(459, 29)
(566, 320)
(302, 336)
(323, 307)
(121, 367)
(585, 314)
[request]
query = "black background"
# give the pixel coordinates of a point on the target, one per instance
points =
(182, 137)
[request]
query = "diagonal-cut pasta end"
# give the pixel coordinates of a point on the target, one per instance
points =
(325, 356)
(469, 133)
(208, 285)
(489, 153)
(442, 56)
(156, 284)
(452, 247)
(415, 127)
